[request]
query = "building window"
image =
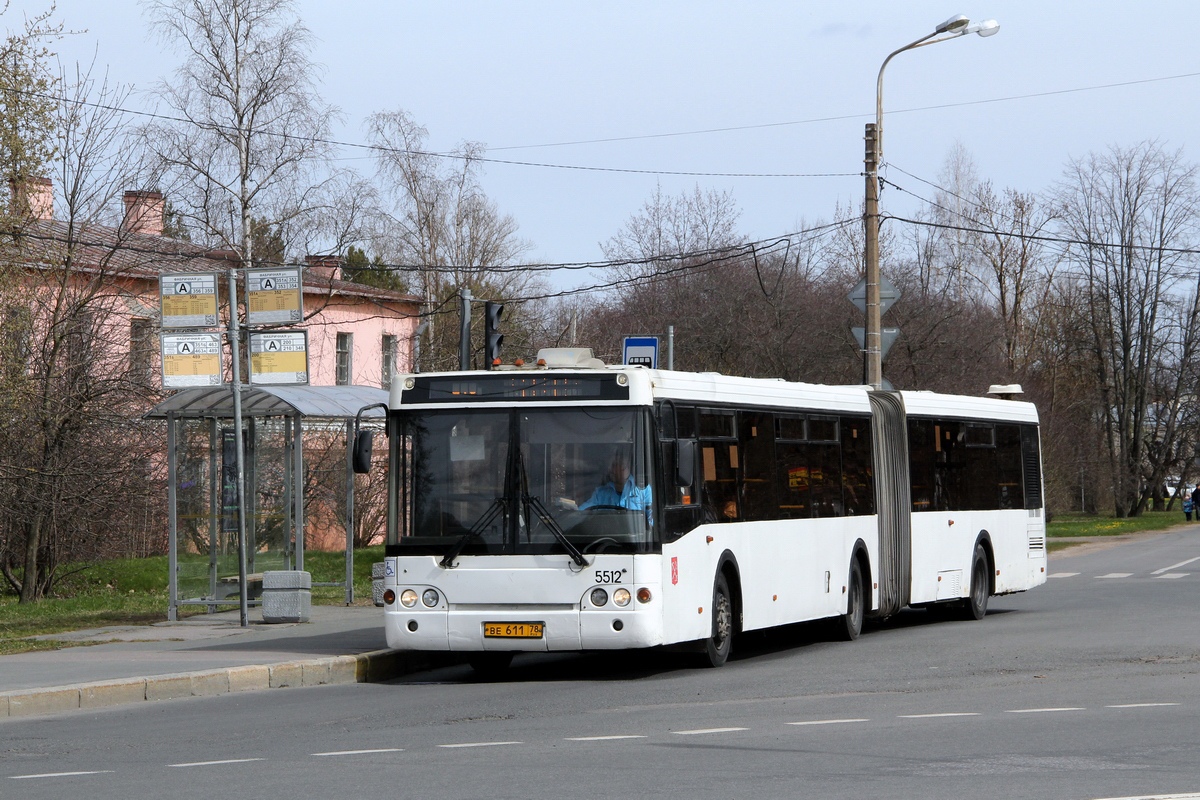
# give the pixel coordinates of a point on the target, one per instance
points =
(345, 349)
(141, 350)
(77, 350)
(389, 360)
(14, 341)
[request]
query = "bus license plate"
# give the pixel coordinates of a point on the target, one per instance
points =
(513, 630)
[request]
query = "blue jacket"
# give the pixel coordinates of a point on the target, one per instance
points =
(631, 496)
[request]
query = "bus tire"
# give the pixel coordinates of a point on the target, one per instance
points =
(851, 622)
(720, 641)
(490, 664)
(976, 603)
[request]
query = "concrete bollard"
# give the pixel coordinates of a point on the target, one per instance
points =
(287, 596)
(377, 571)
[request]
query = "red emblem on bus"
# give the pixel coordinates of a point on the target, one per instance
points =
(674, 570)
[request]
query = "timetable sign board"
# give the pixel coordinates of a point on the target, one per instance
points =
(188, 301)
(191, 359)
(279, 357)
(274, 296)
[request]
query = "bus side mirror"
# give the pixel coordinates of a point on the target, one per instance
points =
(362, 451)
(685, 462)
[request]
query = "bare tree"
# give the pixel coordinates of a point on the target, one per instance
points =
(76, 463)
(1133, 211)
(692, 223)
(1016, 267)
(252, 146)
(435, 220)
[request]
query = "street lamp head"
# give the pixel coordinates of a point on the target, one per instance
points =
(953, 24)
(986, 28)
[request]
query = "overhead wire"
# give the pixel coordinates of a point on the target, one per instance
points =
(696, 260)
(843, 117)
(378, 148)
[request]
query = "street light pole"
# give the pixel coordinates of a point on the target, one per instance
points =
(872, 340)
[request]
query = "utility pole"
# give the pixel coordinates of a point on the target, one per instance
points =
(872, 350)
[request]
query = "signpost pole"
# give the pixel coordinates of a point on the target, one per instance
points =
(236, 386)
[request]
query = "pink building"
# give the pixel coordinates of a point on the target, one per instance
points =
(357, 334)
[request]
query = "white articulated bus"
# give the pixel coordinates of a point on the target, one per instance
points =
(570, 505)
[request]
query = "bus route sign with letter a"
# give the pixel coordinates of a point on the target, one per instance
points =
(641, 351)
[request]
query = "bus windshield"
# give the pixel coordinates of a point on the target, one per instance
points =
(526, 481)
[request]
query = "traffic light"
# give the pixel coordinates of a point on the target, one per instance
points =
(493, 338)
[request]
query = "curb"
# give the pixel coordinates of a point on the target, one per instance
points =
(372, 667)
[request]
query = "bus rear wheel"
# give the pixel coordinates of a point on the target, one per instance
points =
(976, 603)
(720, 642)
(850, 624)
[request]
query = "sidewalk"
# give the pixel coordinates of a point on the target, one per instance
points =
(204, 655)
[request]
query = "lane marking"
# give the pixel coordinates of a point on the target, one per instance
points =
(702, 731)
(59, 774)
(1173, 575)
(1191, 796)
(479, 744)
(214, 763)
(826, 721)
(946, 714)
(1042, 710)
(1062, 575)
(603, 738)
(1142, 705)
(360, 752)
(1175, 566)
(1116, 575)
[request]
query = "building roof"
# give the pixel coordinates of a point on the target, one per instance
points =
(141, 256)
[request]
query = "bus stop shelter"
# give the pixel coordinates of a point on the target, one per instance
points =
(200, 452)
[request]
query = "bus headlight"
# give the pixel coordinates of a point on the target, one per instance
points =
(622, 597)
(430, 598)
(643, 595)
(599, 597)
(408, 598)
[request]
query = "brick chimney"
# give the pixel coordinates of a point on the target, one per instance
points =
(144, 213)
(326, 268)
(34, 196)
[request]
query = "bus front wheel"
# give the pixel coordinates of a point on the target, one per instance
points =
(720, 641)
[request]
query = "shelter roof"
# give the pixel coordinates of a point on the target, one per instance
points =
(320, 402)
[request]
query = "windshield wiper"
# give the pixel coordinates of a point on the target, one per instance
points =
(481, 524)
(533, 501)
(550, 522)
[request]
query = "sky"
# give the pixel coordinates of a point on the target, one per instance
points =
(603, 102)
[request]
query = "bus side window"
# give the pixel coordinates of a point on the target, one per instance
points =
(756, 434)
(795, 501)
(858, 491)
(922, 450)
(1008, 462)
(719, 465)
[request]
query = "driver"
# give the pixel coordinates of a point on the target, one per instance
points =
(620, 490)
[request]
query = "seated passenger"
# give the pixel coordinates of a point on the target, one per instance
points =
(621, 490)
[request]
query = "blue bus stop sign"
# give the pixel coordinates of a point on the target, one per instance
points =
(641, 351)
